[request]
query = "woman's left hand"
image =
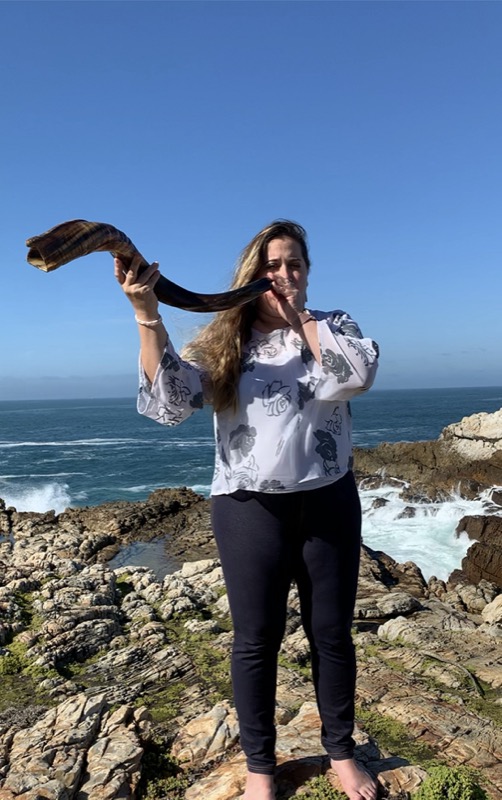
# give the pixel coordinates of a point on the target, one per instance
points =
(290, 300)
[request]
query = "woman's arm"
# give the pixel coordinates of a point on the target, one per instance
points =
(170, 388)
(139, 291)
(305, 325)
(349, 361)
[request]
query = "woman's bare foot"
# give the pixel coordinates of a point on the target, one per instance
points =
(356, 782)
(259, 787)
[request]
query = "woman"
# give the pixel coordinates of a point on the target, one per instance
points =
(284, 502)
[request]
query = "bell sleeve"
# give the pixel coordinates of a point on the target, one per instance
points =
(349, 361)
(177, 390)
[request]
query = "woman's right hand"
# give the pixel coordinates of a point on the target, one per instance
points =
(139, 289)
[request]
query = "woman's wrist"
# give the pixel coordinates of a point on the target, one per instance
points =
(306, 316)
(149, 323)
(303, 317)
(146, 311)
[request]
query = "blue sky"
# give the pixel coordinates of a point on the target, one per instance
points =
(190, 125)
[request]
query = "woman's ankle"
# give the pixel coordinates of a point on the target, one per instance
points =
(259, 787)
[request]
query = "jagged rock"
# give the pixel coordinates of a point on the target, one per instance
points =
(436, 587)
(222, 606)
(295, 647)
(76, 751)
(407, 513)
(379, 502)
(492, 613)
(469, 597)
(398, 628)
(496, 497)
(192, 587)
(113, 760)
(483, 560)
(494, 630)
(207, 736)
(379, 570)
(473, 526)
(80, 616)
(477, 437)
(397, 603)
(401, 779)
(467, 457)
(391, 604)
(53, 750)
(411, 631)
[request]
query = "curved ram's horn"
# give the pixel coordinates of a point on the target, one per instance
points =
(78, 237)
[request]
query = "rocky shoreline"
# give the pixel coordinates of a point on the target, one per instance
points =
(466, 458)
(115, 684)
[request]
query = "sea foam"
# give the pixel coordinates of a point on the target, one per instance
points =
(427, 538)
(48, 496)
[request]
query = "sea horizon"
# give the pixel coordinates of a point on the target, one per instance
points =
(133, 395)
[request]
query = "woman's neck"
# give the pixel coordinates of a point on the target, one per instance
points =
(266, 323)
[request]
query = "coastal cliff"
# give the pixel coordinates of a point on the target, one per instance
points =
(466, 458)
(115, 683)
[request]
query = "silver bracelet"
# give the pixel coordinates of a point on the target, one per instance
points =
(149, 323)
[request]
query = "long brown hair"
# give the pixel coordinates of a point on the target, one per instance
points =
(217, 349)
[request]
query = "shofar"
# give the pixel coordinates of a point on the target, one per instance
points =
(78, 237)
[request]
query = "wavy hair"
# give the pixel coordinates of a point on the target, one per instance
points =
(217, 349)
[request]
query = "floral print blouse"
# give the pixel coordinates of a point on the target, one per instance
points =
(292, 430)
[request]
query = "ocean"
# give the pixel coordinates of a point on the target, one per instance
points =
(60, 453)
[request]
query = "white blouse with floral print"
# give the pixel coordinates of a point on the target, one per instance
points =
(292, 430)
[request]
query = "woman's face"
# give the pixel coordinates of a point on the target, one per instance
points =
(284, 262)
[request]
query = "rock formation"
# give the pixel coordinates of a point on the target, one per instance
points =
(466, 458)
(484, 558)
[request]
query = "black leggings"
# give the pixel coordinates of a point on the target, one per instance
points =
(265, 541)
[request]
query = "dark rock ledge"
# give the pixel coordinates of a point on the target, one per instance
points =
(466, 459)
